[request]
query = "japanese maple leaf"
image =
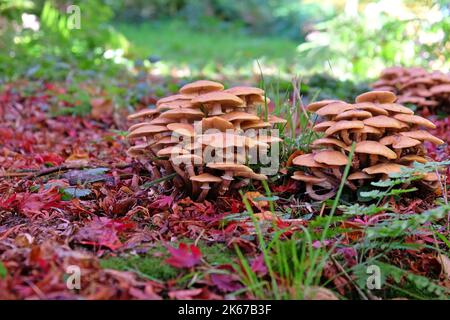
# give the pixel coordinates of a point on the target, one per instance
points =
(185, 256)
(162, 202)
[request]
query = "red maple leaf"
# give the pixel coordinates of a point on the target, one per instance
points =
(185, 256)
(162, 202)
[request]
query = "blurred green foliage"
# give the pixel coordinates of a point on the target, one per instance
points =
(285, 18)
(360, 44)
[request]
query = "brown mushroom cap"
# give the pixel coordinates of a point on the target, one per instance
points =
(367, 129)
(333, 109)
(396, 108)
(322, 126)
(183, 129)
(145, 113)
(384, 168)
(314, 106)
(359, 175)
(251, 175)
(171, 151)
(245, 91)
(353, 114)
(175, 97)
(239, 116)
(331, 158)
(174, 105)
(215, 122)
(138, 125)
(137, 149)
(383, 122)
(223, 98)
(202, 86)
(376, 96)
(222, 140)
(388, 140)
(147, 130)
(402, 142)
(412, 158)
(182, 113)
(276, 120)
(422, 135)
(301, 176)
(344, 125)
(162, 121)
(205, 178)
(375, 148)
(371, 107)
(166, 140)
(440, 89)
(307, 160)
(417, 120)
(224, 166)
(255, 125)
(328, 142)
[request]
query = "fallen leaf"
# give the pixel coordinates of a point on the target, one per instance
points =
(185, 256)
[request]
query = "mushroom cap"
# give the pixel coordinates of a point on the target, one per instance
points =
(353, 114)
(161, 121)
(255, 125)
(397, 108)
(171, 151)
(187, 159)
(334, 108)
(307, 160)
(322, 126)
(201, 86)
(147, 130)
(430, 177)
(402, 142)
(137, 125)
(388, 140)
(166, 140)
(344, 125)
(205, 178)
(228, 166)
(182, 113)
(383, 122)
(275, 120)
(245, 91)
(239, 116)
(418, 120)
(371, 107)
(375, 148)
(359, 175)
(376, 96)
(422, 135)
(137, 149)
(174, 105)
(211, 98)
(301, 176)
(183, 129)
(215, 122)
(385, 168)
(412, 158)
(314, 106)
(145, 113)
(367, 129)
(328, 142)
(420, 80)
(439, 89)
(251, 175)
(331, 158)
(175, 97)
(222, 140)
(269, 139)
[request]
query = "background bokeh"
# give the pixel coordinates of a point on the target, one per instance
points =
(326, 41)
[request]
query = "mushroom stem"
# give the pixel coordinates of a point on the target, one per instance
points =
(345, 137)
(216, 110)
(227, 178)
(205, 189)
(310, 191)
(190, 169)
(373, 159)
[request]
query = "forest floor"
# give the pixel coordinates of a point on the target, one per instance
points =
(71, 199)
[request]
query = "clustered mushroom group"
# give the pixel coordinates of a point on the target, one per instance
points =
(387, 135)
(427, 90)
(202, 134)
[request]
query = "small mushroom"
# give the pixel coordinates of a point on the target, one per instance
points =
(215, 101)
(205, 179)
(229, 170)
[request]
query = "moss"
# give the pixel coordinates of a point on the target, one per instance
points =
(152, 264)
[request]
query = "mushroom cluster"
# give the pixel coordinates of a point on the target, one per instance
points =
(427, 90)
(206, 135)
(387, 135)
